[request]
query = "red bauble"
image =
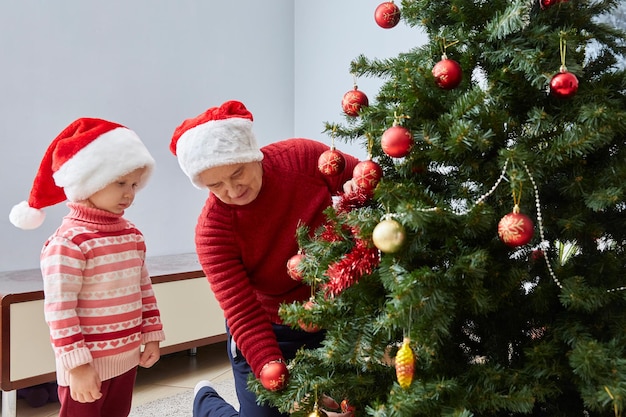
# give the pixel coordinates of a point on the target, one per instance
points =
(274, 375)
(331, 162)
(515, 229)
(397, 141)
(292, 267)
(346, 407)
(564, 84)
(367, 174)
(308, 327)
(448, 73)
(352, 102)
(387, 15)
(537, 255)
(547, 3)
(418, 169)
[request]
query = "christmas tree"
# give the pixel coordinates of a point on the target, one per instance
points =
(482, 270)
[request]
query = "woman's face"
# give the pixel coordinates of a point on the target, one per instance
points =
(237, 184)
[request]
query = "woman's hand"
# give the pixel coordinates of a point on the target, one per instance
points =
(329, 403)
(350, 186)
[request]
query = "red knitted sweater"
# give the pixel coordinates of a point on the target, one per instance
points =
(244, 250)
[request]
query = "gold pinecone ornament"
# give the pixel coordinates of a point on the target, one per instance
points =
(405, 364)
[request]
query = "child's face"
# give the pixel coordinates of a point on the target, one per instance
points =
(119, 195)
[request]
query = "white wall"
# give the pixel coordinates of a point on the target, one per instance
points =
(149, 64)
(329, 34)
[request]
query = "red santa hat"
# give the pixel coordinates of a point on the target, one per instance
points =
(219, 136)
(85, 157)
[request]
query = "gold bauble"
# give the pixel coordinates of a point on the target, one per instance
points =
(388, 236)
(317, 412)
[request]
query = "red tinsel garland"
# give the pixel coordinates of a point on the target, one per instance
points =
(355, 199)
(360, 261)
(329, 234)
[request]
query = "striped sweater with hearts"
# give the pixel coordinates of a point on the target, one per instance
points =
(98, 298)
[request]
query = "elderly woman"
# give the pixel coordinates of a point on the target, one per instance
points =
(245, 235)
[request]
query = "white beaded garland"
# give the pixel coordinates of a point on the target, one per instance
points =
(544, 244)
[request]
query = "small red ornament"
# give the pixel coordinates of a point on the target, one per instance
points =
(515, 229)
(448, 73)
(346, 407)
(292, 267)
(331, 162)
(387, 15)
(547, 3)
(367, 175)
(309, 327)
(353, 101)
(564, 84)
(274, 375)
(537, 255)
(418, 169)
(397, 141)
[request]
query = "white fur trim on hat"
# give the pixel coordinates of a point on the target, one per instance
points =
(109, 157)
(216, 143)
(26, 217)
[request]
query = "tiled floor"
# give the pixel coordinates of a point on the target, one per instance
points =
(173, 374)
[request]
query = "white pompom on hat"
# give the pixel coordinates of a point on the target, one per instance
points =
(219, 136)
(85, 157)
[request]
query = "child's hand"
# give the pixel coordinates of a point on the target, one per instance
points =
(85, 384)
(150, 355)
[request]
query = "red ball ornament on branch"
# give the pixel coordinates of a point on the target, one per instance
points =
(537, 255)
(544, 4)
(309, 327)
(274, 375)
(387, 15)
(353, 101)
(331, 162)
(515, 229)
(346, 407)
(564, 84)
(397, 141)
(293, 265)
(367, 175)
(448, 73)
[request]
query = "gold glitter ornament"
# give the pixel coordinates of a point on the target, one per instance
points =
(405, 364)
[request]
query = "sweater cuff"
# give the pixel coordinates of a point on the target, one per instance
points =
(262, 357)
(157, 336)
(75, 358)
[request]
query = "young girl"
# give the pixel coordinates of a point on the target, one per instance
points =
(98, 297)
